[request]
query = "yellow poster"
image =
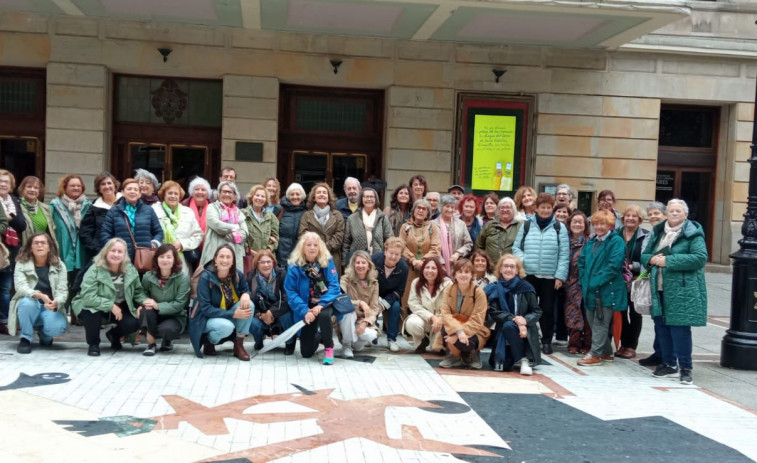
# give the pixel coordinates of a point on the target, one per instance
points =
(493, 153)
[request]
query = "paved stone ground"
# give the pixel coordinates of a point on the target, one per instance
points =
(60, 405)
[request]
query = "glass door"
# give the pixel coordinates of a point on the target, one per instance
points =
(19, 156)
(169, 162)
(695, 186)
(187, 162)
(311, 167)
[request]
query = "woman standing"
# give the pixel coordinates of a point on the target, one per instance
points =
(421, 239)
(482, 266)
(600, 272)
(262, 224)
(68, 208)
(489, 207)
(525, 202)
(398, 211)
(454, 238)
(634, 236)
(106, 188)
(579, 332)
(655, 214)
(498, 235)
(110, 293)
(37, 214)
(325, 220)
(132, 221)
(424, 323)
(148, 185)
(41, 290)
(225, 226)
(418, 188)
(180, 228)
(676, 257)
(562, 211)
(463, 314)
(360, 281)
(223, 311)
(293, 206)
(368, 229)
(312, 284)
(197, 202)
(544, 247)
(606, 202)
(272, 313)
(273, 191)
(515, 310)
(164, 313)
(467, 210)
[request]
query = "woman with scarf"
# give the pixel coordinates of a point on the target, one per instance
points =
(223, 311)
(467, 208)
(312, 284)
(197, 202)
(676, 256)
(225, 225)
(68, 209)
(132, 221)
(482, 267)
(398, 211)
(368, 229)
(424, 324)
(454, 239)
(272, 313)
(579, 332)
(600, 273)
(544, 247)
(514, 308)
(262, 224)
(463, 313)
(634, 236)
(325, 219)
(12, 225)
(106, 187)
(421, 239)
(37, 214)
(180, 228)
(360, 281)
(148, 186)
(293, 207)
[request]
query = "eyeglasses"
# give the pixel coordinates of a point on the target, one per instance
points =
(39, 243)
(509, 266)
(227, 192)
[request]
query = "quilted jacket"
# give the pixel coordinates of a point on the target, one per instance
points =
(543, 253)
(600, 273)
(146, 226)
(355, 238)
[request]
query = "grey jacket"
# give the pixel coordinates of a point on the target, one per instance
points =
(356, 239)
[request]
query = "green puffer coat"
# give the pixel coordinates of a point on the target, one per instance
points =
(172, 298)
(98, 293)
(684, 288)
(600, 272)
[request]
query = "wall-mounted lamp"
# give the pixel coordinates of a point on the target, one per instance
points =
(335, 63)
(498, 73)
(165, 52)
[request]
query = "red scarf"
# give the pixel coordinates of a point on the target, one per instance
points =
(200, 217)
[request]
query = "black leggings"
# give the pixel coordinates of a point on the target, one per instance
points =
(93, 321)
(545, 290)
(310, 336)
(158, 326)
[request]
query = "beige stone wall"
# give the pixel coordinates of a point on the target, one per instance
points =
(735, 168)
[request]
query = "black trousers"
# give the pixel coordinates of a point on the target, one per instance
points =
(545, 290)
(93, 321)
(319, 331)
(561, 331)
(168, 328)
(472, 343)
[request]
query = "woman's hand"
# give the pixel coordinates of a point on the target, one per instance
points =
(267, 317)
(51, 304)
(417, 264)
(523, 331)
(116, 311)
(177, 245)
(364, 307)
(519, 320)
(462, 337)
(245, 302)
(658, 260)
(436, 323)
(451, 338)
(150, 304)
(453, 258)
(241, 313)
(272, 240)
(558, 283)
(361, 326)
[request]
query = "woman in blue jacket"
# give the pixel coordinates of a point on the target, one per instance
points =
(129, 216)
(311, 284)
(544, 247)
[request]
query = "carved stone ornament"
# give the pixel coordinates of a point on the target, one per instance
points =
(169, 101)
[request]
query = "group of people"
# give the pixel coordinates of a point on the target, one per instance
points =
(453, 272)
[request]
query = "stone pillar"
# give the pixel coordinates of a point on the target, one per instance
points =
(77, 123)
(250, 114)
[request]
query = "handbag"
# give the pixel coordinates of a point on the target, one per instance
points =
(10, 237)
(342, 305)
(4, 257)
(142, 256)
(641, 294)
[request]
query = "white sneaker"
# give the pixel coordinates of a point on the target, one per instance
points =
(525, 368)
(347, 352)
(393, 346)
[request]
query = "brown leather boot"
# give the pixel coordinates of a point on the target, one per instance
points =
(208, 349)
(239, 351)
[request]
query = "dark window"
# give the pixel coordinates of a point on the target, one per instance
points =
(329, 115)
(688, 127)
(18, 96)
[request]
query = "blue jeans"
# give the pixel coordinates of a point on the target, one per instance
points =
(510, 347)
(6, 279)
(675, 344)
(285, 322)
(33, 314)
(220, 328)
(393, 321)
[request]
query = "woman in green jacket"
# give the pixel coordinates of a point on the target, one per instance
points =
(262, 224)
(110, 293)
(676, 256)
(600, 271)
(164, 313)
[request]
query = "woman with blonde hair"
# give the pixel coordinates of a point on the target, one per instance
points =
(360, 281)
(262, 224)
(422, 240)
(312, 284)
(180, 227)
(273, 191)
(525, 203)
(37, 214)
(324, 219)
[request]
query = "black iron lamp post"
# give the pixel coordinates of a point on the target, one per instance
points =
(739, 345)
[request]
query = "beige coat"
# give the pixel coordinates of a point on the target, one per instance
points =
(368, 294)
(428, 235)
(459, 236)
(426, 306)
(475, 311)
(332, 234)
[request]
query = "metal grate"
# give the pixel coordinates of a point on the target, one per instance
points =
(335, 116)
(17, 96)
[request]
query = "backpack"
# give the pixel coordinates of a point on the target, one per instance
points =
(527, 226)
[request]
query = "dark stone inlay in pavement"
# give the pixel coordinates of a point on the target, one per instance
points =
(40, 379)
